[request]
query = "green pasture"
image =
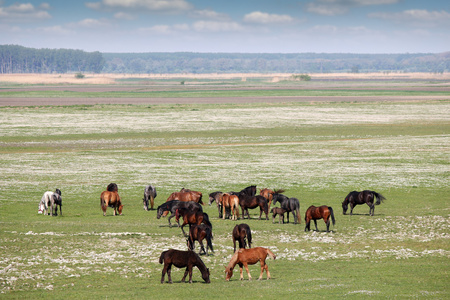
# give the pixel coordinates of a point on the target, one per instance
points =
(315, 152)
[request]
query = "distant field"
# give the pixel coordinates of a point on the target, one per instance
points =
(318, 150)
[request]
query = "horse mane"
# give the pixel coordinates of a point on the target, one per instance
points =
(112, 187)
(233, 260)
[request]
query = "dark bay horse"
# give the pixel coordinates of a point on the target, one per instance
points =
(111, 199)
(322, 212)
(290, 205)
(181, 259)
(173, 205)
(199, 233)
(355, 198)
(246, 202)
(245, 257)
(149, 196)
(243, 235)
(186, 196)
(191, 218)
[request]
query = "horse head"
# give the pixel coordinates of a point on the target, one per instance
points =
(344, 206)
(120, 209)
(229, 273)
(205, 276)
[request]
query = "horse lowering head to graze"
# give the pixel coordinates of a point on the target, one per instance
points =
(250, 202)
(190, 217)
(172, 205)
(356, 198)
(199, 233)
(290, 205)
(268, 194)
(50, 200)
(278, 211)
(322, 212)
(245, 257)
(181, 259)
(243, 235)
(149, 196)
(111, 199)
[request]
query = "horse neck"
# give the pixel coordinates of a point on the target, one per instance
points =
(201, 266)
(234, 260)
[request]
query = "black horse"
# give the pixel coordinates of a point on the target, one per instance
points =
(181, 259)
(290, 205)
(172, 206)
(149, 196)
(355, 198)
(242, 232)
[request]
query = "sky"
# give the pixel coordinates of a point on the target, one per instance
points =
(237, 26)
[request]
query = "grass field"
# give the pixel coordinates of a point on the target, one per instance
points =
(317, 152)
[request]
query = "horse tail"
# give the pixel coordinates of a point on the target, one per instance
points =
(273, 256)
(249, 238)
(298, 214)
(332, 214)
(206, 220)
(209, 238)
(161, 258)
(380, 198)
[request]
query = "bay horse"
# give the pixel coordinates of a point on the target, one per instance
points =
(290, 205)
(232, 202)
(278, 211)
(245, 257)
(246, 202)
(181, 259)
(189, 217)
(173, 205)
(50, 200)
(243, 235)
(111, 199)
(268, 194)
(250, 190)
(216, 197)
(186, 196)
(322, 212)
(356, 198)
(199, 233)
(149, 196)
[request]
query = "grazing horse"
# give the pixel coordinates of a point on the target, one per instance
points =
(278, 211)
(52, 200)
(181, 259)
(216, 197)
(242, 233)
(246, 202)
(268, 194)
(232, 202)
(173, 205)
(290, 205)
(199, 233)
(186, 196)
(111, 199)
(245, 257)
(355, 198)
(315, 213)
(191, 218)
(149, 196)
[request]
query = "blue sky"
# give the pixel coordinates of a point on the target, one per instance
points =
(245, 26)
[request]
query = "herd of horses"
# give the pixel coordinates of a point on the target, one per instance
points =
(187, 206)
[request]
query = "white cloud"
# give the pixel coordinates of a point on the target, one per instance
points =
(416, 17)
(338, 7)
(124, 16)
(93, 23)
(53, 30)
(210, 14)
(213, 26)
(265, 18)
(146, 5)
(164, 29)
(24, 12)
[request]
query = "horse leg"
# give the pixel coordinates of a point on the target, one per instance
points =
(152, 202)
(351, 208)
(262, 269)
(224, 212)
(170, 217)
(185, 274)
(169, 273)
(164, 272)
(308, 222)
(241, 273)
(248, 272)
(184, 233)
(328, 224)
(202, 248)
(315, 223)
(267, 272)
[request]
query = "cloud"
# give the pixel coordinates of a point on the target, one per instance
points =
(142, 5)
(210, 14)
(24, 12)
(258, 17)
(214, 26)
(164, 29)
(417, 17)
(124, 16)
(339, 7)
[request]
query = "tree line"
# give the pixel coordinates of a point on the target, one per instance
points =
(18, 59)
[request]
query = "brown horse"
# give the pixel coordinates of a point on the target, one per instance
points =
(186, 196)
(245, 257)
(191, 218)
(242, 232)
(199, 233)
(111, 199)
(232, 202)
(315, 213)
(278, 211)
(268, 194)
(252, 202)
(181, 259)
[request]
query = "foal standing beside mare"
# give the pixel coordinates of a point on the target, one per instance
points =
(290, 205)
(245, 257)
(315, 213)
(181, 259)
(355, 198)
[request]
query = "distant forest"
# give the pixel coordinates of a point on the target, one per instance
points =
(18, 59)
